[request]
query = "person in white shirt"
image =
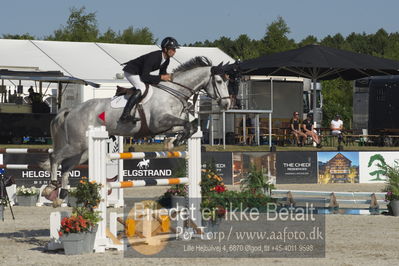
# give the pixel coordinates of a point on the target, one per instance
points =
(336, 127)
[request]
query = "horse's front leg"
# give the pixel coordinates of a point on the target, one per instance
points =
(189, 129)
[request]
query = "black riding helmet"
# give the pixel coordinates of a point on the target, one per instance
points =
(169, 43)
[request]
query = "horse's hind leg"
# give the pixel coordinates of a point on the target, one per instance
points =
(68, 157)
(67, 165)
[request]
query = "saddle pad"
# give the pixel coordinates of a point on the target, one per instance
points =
(120, 101)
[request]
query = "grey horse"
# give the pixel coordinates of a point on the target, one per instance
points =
(166, 111)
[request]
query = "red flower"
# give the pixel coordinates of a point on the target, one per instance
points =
(220, 189)
(60, 233)
(221, 211)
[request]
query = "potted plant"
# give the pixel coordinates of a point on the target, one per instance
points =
(212, 205)
(27, 196)
(175, 196)
(88, 197)
(92, 217)
(73, 233)
(212, 214)
(392, 187)
(72, 199)
(88, 193)
(256, 182)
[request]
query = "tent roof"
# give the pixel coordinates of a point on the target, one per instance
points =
(24, 55)
(88, 60)
(43, 76)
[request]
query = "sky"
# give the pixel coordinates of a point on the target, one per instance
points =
(190, 21)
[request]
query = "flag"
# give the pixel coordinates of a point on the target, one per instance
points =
(102, 116)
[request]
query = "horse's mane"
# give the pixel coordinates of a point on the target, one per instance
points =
(197, 61)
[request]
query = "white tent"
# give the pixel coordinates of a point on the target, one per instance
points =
(85, 60)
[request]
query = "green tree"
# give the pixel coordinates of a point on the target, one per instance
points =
(337, 41)
(137, 36)
(338, 99)
(109, 36)
(81, 27)
(244, 48)
(25, 36)
(379, 42)
(276, 39)
(359, 43)
(307, 41)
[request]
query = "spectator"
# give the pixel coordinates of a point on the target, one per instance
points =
(336, 127)
(295, 124)
(234, 78)
(34, 97)
(309, 130)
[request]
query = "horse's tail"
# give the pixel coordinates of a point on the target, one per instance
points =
(57, 128)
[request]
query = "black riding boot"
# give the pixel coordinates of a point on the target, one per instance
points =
(131, 102)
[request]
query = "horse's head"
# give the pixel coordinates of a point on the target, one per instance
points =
(216, 88)
(199, 74)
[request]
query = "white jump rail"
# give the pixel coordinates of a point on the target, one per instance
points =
(356, 197)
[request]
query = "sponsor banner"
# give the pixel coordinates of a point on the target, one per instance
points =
(36, 177)
(154, 168)
(223, 162)
(369, 172)
(296, 167)
(176, 167)
(264, 161)
(338, 167)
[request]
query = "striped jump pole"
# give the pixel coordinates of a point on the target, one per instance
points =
(147, 155)
(32, 167)
(149, 182)
(23, 151)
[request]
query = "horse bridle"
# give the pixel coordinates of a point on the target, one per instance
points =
(218, 97)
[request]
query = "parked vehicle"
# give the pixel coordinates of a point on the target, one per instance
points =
(376, 106)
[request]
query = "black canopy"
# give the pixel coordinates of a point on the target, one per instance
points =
(320, 63)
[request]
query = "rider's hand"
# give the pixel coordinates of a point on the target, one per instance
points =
(166, 77)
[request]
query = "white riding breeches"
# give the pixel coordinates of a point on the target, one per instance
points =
(135, 81)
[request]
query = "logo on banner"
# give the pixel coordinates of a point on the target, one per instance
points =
(144, 164)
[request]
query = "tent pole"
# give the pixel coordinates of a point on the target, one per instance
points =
(315, 114)
(270, 114)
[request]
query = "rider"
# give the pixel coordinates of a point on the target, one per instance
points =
(137, 72)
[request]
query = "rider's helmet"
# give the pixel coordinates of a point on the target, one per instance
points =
(169, 43)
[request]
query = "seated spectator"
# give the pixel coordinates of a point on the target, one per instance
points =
(295, 124)
(308, 129)
(336, 127)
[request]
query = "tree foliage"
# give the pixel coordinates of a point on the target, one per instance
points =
(83, 27)
(80, 27)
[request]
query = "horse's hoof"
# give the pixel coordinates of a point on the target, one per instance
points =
(50, 192)
(57, 202)
(47, 191)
